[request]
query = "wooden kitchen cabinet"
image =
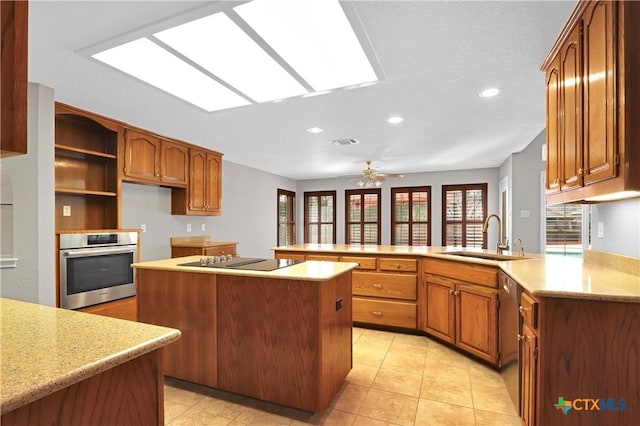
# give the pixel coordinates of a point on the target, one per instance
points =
(528, 375)
(150, 159)
(86, 178)
(13, 77)
(461, 312)
(204, 194)
(123, 308)
(201, 246)
(591, 101)
(384, 287)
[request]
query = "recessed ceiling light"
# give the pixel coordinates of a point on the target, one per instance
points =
(152, 64)
(395, 119)
(489, 93)
(314, 37)
(315, 130)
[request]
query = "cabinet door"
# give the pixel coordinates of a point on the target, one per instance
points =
(174, 163)
(529, 371)
(214, 183)
(141, 157)
(552, 88)
(197, 180)
(476, 321)
(571, 110)
(13, 77)
(440, 308)
(599, 92)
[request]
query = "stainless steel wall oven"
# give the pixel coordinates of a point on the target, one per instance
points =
(96, 267)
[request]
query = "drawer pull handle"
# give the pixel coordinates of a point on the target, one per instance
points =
(376, 313)
(522, 309)
(376, 285)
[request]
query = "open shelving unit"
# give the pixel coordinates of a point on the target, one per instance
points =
(86, 172)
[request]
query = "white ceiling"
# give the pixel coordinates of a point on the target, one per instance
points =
(436, 57)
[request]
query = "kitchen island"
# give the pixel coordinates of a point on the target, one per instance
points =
(66, 367)
(577, 325)
(282, 335)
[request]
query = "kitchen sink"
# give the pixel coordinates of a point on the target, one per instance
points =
(484, 256)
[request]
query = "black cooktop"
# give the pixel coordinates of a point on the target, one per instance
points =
(247, 264)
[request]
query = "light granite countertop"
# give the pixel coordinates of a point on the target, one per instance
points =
(307, 271)
(599, 276)
(45, 349)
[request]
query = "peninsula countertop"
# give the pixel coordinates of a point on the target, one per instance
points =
(44, 349)
(599, 276)
(308, 271)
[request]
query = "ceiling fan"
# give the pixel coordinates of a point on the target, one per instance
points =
(371, 177)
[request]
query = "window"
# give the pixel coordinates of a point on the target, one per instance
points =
(564, 229)
(286, 217)
(411, 216)
(320, 217)
(465, 208)
(362, 208)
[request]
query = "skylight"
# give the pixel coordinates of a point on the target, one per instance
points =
(315, 37)
(217, 44)
(290, 48)
(149, 62)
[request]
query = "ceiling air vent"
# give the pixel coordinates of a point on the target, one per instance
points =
(351, 141)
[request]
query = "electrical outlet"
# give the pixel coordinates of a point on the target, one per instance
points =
(600, 229)
(188, 227)
(204, 227)
(66, 210)
(525, 213)
(143, 227)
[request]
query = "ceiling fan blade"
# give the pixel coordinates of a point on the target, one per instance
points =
(395, 175)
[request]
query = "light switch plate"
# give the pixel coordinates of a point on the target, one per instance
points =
(66, 210)
(188, 227)
(600, 229)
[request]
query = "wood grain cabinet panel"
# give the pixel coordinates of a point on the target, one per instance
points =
(592, 101)
(397, 264)
(203, 196)
(124, 309)
(13, 77)
(366, 263)
(186, 301)
(528, 375)
(383, 312)
(461, 312)
(378, 284)
(150, 159)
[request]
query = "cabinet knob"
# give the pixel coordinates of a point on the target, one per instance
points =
(376, 313)
(450, 291)
(580, 171)
(455, 293)
(376, 285)
(522, 309)
(521, 337)
(556, 181)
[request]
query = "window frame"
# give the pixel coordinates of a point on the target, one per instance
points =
(347, 223)
(464, 187)
(291, 195)
(410, 190)
(319, 194)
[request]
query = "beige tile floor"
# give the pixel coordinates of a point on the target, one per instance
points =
(397, 379)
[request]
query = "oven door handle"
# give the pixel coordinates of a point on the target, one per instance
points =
(97, 251)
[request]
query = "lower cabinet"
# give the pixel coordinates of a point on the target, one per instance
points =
(528, 372)
(459, 312)
(124, 309)
(384, 288)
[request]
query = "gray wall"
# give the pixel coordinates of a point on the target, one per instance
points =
(621, 225)
(526, 194)
(434, 179)
(249, 214)
(32, 177)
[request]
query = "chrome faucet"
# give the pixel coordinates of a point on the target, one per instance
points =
(518, 240)
(502, 244)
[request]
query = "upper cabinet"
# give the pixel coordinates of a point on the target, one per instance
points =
(150, 159)
(204, 194)
(86, 177)
(13, 77)
(591, 100)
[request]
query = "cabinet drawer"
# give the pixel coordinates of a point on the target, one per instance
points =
(363, 262)
(220, 250)
(529, 310)
(395, 286)
(290, 255)
(463, 271)
(398, 264)
(327, 257)
(397, 314)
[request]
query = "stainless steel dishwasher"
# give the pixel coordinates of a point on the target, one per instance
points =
(509, 338)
